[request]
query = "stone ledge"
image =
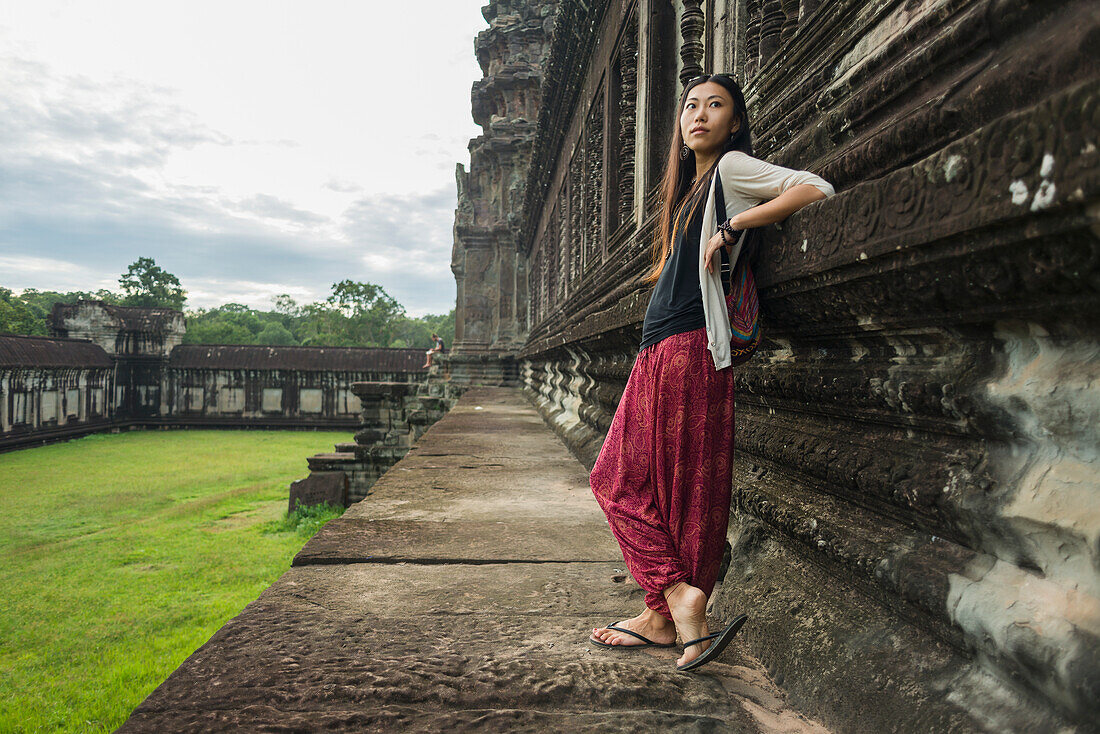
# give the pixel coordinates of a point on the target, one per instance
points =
(430, 644)
(389, 541)
(385, 719)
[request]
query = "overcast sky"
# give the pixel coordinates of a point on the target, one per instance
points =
(251, 147)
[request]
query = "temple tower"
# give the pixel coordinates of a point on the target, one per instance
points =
(139, 341)
(490, 271)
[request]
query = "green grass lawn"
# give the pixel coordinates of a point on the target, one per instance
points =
(124, 553)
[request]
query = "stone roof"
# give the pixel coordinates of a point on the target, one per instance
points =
(258, 357)
(40, 351)
(129, 318)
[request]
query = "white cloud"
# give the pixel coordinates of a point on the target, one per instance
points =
(274, 149)
(27, 264)
(210, 292)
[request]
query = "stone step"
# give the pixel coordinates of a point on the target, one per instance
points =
(368, 437)
(352, 540)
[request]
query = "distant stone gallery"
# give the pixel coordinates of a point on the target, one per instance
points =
(109, 366)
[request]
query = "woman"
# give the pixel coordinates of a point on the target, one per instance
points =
(664, 474)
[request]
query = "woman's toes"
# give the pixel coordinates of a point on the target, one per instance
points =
(690, 654)
(604, 635)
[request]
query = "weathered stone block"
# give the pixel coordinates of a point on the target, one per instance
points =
(319, 487)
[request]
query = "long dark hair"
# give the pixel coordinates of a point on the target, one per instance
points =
(677, 191)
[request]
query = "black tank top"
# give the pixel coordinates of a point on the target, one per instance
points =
(676, 304)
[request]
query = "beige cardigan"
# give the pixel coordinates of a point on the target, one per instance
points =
(746, 181)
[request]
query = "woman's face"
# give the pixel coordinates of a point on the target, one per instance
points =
(708, 118)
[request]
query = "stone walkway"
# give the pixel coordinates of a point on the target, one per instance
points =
(458, 597)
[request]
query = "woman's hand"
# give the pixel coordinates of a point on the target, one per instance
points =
(712, 247)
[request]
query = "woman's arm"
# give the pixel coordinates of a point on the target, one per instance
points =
(769, 212)
(781, 191)
(778, 208)
(754, 180)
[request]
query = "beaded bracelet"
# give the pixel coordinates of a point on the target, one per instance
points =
(726, 228)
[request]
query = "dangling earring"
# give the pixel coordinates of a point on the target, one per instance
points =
(684, 152)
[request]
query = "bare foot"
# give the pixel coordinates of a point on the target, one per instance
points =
(689, 611)
(649, 624)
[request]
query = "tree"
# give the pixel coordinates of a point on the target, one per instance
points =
(28, 312)
(234, 323)
(275, 333)
(217, 331)
(146, 284)
(286, 305)
(371, 314)
(442, 324)
(16, 317)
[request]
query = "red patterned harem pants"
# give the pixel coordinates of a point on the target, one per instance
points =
(664, 473)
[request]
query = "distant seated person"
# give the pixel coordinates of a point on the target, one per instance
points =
(438, 342)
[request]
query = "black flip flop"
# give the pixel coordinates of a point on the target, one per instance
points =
(648, 642)
(721, 639)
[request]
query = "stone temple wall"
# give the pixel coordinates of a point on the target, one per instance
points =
(52, 387)
(915, 530)
(274, 386)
